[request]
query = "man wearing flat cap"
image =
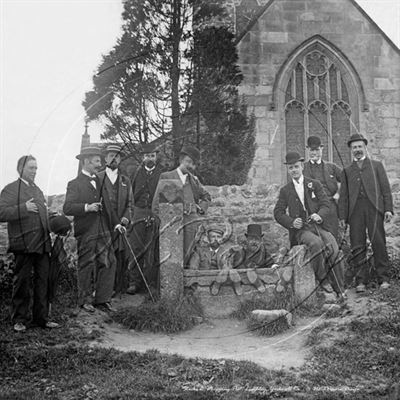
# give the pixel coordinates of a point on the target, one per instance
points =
(195, 197)
(145, 227)
(366, 203)
(116, 192)
(302, 208)
(23, 207)
(329, 176)
(96, 259)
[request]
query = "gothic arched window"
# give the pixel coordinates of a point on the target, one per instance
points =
(317, 103)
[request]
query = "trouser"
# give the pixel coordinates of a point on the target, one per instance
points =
(22, 287)
(144, 239)
(324, 255)
(96, 269)
(121, 272)
(365, 218)
(191, 223)
(332, 219)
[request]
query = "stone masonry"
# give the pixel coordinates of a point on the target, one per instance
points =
(268, 34)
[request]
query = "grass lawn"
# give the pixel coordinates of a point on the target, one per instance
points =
(352, 358)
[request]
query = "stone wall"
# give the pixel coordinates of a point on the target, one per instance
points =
(286, 24)
(243, 205)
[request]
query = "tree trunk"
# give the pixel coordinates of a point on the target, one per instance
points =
(176, 35)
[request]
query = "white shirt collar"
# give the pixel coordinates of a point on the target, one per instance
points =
(182, 176)
(361, 159)
(149, 169)
(299, 187)
(300, 182)
(84, 172)
(316, 162)
(26, 182)
(112, 174)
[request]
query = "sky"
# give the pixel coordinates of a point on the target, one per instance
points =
(49, 50)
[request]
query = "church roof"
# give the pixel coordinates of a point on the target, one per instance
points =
(264, 8)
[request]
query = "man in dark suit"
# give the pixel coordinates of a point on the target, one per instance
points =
(302, 208)
(365, 203)
(329, 176)
(195, 197)
(144, 234)
(116, 192)
(23, 207)
(96, 259)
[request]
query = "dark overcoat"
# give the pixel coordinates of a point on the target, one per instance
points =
(28, 232)
(376, 184)
(289, 206)
(80, 191)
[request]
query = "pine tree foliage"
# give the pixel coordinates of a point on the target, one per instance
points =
(173, 75)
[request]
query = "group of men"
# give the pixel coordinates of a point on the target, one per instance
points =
(114, 224)
(117, 227)
(320, 197)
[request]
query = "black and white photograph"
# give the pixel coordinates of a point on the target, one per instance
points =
(199, 199)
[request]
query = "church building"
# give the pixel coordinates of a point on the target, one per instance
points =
(316, 67)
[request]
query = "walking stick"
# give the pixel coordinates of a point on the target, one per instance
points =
(138, 266)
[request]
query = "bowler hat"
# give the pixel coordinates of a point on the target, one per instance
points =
(254, 230)
(147, 148)
(115, 148)
(192, 152)
(355, 138)
(88, 152)
(313, 142)
(59, 224)
(292, 157)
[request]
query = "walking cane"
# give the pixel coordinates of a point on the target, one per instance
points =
(138, 266)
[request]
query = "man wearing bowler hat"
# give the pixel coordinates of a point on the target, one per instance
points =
(329, 176)
(96, 259)
(302, 208)
(144, 234)
(23, 207)
(195, 197)
(116, 192)
(366, 203)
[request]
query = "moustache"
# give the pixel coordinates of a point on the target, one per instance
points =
(149, 163)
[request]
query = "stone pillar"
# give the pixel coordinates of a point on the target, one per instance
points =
(171, 239)
(304, 285)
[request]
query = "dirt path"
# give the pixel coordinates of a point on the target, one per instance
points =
(217, 339)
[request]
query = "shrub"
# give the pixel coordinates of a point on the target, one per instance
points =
(162, 316)
(6, 275)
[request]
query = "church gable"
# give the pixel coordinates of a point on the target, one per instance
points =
(317, 67)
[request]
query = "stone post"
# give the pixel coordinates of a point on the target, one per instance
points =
(171, 239)
(304, 285)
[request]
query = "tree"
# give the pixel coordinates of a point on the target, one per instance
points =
(173, 75)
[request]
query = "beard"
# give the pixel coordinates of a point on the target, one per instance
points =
(358, 154)
(113, 166)
(149, 163)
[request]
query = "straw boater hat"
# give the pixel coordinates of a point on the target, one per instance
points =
(292, 157)
(115, 148)
(355, 138)
(314, 142)
(215, 228)
(88, 152)
(192, 152)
